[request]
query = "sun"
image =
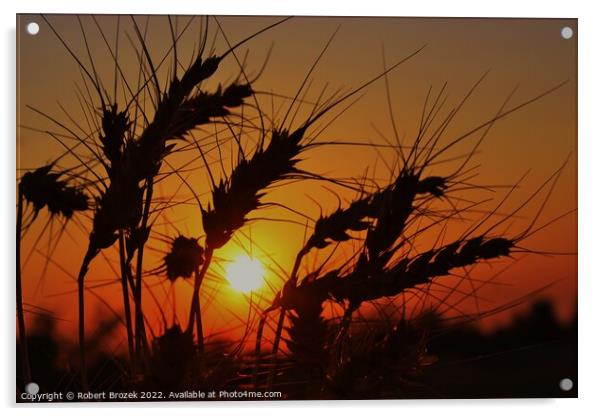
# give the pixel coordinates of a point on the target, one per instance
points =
(245, 274)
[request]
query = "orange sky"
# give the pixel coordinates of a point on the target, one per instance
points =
(525, 52)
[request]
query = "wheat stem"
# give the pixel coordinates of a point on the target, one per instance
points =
(26, 368)
(195, 311)
(140, 330)
(90, 254)
(258, 349)
(275, 349)
(126, 302)
(280, 325)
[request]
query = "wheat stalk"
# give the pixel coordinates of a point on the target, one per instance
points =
(41, 188)
(124, 205)
(234, 198)
(383, 214)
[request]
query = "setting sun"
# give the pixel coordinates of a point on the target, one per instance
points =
(245, 274)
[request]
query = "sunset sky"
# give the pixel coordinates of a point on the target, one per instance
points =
(525, 53)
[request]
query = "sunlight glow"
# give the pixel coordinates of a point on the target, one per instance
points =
(245, 274)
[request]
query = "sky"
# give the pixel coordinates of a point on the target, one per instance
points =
(527, 56)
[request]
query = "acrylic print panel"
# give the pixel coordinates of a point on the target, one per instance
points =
(273, 208)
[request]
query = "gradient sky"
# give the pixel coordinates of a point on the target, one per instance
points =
(526, 53)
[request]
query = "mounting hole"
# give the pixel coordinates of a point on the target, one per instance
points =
(566, 384)
(32, 388)
(566, 32)
(32, 28)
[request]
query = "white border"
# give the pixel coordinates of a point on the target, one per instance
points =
(553, 8)
(590, 188)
